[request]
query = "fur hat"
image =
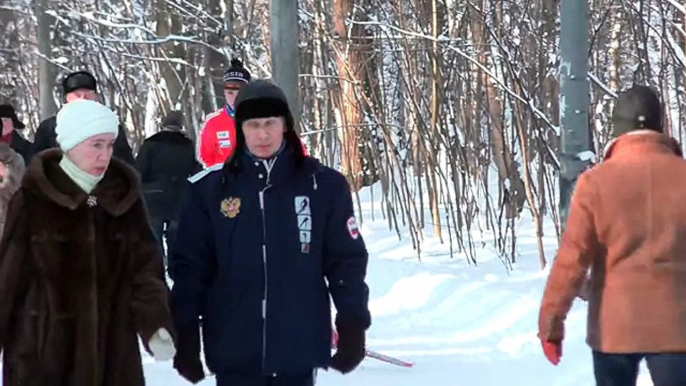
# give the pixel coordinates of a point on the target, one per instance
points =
(79, 80)
(82, 119)
(637, 108)
(264, 99)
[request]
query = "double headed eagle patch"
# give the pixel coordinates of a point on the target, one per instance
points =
(231, 206)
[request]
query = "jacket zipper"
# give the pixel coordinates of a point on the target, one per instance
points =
(268, 166)
(266, 278)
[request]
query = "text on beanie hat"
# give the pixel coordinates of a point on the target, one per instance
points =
(236, 73)
(82, 119)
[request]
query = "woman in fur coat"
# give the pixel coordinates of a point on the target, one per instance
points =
(11, 171)
(81, 278)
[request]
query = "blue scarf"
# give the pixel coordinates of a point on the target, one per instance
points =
(229, 111)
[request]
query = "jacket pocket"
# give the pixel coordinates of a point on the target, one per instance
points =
(21, 355)
(57, 349)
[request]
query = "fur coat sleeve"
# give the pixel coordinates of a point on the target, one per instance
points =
(13, 262)
(150, 300)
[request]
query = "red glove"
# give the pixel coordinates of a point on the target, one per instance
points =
(552, 351)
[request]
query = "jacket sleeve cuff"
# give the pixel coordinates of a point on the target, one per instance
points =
(363, 320)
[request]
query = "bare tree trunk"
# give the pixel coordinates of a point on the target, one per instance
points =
(507, 168)
(46, 75)
(349, 64)
(435, 103)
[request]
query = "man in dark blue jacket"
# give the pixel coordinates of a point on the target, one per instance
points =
(266, 238)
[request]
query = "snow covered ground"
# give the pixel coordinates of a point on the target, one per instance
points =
(458, 324)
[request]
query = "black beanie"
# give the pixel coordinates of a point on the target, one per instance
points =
(236, 73)
(79, 80)
(637, 108)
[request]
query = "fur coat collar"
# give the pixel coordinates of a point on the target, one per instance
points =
(116, 192)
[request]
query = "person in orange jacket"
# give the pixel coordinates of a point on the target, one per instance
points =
(217, 136)
(626, 223)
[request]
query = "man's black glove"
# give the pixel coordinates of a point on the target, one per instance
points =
(187, 360)
(351, 347)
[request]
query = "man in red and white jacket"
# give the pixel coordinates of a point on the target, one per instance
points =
(217, 136)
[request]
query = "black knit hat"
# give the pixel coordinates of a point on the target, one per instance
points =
(79, 80)
(637, 108)
(236, 73)
(7, 111)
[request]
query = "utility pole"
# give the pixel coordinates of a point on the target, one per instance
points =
(283, 23)
(574, 98)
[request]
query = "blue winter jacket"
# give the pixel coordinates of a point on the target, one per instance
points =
(258, 254)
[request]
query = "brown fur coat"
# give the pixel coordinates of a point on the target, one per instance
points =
(78, 283)
(11, 172)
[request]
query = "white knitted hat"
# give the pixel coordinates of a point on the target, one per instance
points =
(82, 119)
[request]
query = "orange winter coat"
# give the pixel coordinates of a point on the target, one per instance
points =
(627, 222)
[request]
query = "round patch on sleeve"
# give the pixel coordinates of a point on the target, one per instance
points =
(352, 228)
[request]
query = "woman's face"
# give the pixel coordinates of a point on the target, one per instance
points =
(94, 154)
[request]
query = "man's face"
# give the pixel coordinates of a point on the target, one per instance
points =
(231, 90)
(263, 136)
(81, 93)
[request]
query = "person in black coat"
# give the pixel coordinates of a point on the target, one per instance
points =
(10, 135)
(75, 86)
(269, 237)
(165, 161)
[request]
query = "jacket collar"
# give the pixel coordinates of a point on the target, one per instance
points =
(115, 193)
(641, 141)
(281, 169)
(273, 171)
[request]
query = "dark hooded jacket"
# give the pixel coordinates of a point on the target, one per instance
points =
(265, 243)
(165, 161)
(80, 280)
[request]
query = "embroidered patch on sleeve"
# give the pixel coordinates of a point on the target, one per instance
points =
(352, 228)
(222, 134)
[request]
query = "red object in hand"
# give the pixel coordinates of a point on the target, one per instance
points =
(334, 339)
(552, 351)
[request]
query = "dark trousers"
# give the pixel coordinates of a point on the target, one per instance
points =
(164, 229)
(307, 379)
(666, 369)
